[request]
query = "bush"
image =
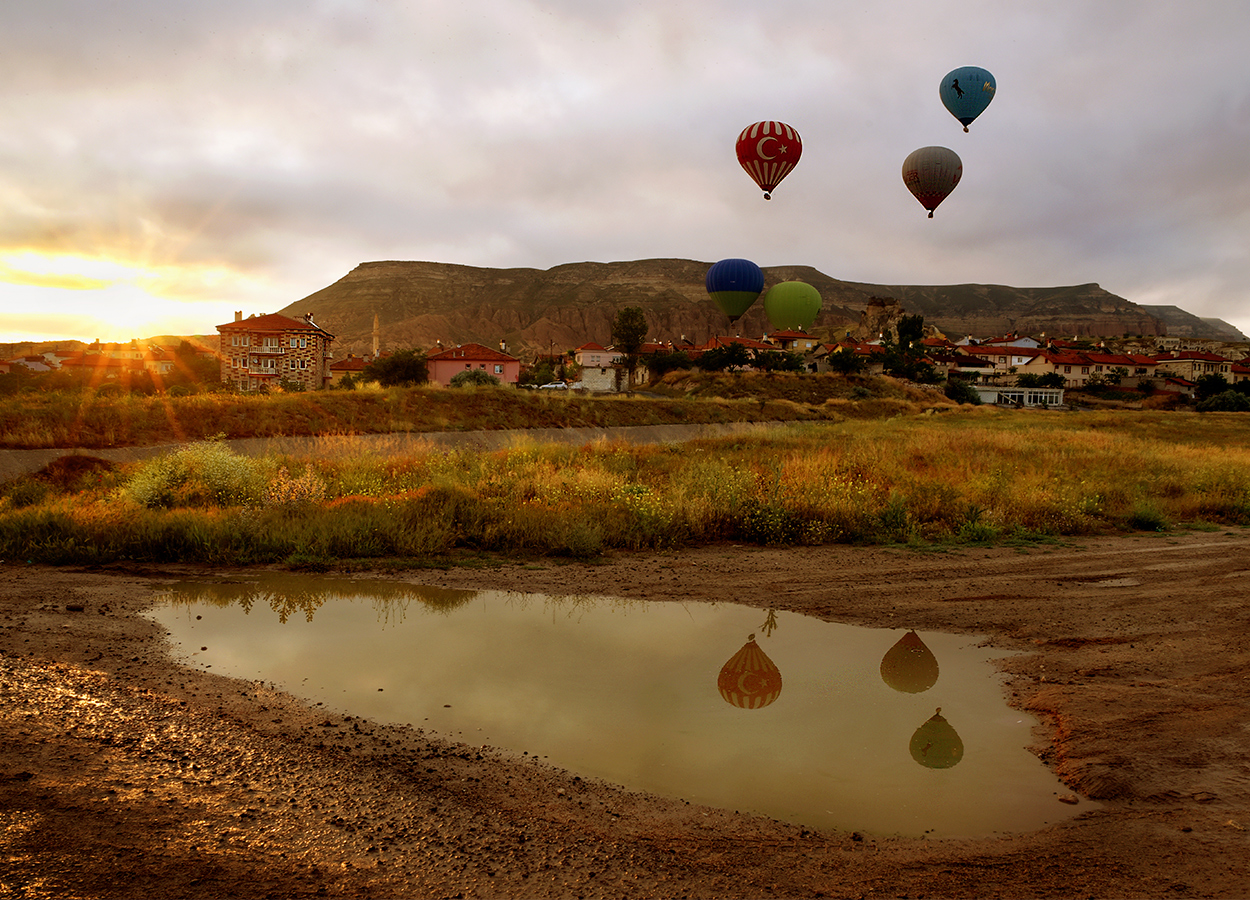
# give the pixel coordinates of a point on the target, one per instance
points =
(199, 474)
(961, 392)
(1228, 401)
(474, 377)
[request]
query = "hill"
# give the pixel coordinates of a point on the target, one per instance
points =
(417, 304)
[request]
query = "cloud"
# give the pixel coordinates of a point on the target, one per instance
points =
(285, 142)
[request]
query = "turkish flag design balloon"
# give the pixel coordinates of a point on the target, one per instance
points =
(768, 151)
(749, 680)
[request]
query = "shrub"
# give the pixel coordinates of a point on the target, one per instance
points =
(961, 392)
(199, 474)
(1226, 401)
(474, 377)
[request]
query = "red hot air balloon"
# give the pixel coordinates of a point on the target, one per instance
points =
(749, 680)
(768, 151)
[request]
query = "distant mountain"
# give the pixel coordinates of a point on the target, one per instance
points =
(417, 304)
(1183, 324)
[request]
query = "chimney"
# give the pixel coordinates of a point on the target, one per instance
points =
(308, 318)
(238, 315)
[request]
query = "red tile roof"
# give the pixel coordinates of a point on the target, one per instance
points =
(474, 352)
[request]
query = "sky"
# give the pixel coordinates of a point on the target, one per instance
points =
(164, 163)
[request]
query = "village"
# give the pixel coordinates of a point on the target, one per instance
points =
(265, 352)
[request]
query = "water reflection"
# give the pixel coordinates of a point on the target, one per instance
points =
(750, 680)
(909, 666)
(289, 594)
(936, 744)
(621, 690)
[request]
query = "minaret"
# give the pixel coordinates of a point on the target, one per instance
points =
(376, 336)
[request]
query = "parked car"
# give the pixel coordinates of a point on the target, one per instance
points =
(554, 386)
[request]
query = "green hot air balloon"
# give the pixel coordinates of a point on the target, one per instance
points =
(792, 305)
(935, 744)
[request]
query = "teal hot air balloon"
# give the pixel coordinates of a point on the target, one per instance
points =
(966, 91)
(792, 305)
(931, 173)
(735, 284)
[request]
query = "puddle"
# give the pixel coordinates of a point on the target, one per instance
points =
(798, 723)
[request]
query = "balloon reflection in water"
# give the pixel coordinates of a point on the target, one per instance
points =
(909, 666)
(749, 680)
(936, 744)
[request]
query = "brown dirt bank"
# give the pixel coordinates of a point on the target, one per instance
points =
(125, 775)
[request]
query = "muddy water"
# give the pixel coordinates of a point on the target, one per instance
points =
(732, 706)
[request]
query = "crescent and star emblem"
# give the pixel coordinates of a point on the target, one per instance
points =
(759, 148)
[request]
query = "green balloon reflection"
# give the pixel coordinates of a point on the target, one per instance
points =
(936, 744)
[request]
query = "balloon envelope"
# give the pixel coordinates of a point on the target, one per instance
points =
(734, 284)
(792, 305)
(966, 91)
(931, 173)
(768, 151)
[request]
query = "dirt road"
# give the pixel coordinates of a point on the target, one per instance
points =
(124, 775)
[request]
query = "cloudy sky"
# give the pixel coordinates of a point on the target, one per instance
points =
(166, 162)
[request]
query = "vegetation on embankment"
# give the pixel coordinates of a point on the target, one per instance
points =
(90, 419)
(971, 475)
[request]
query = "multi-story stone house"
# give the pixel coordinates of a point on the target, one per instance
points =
(260, 351)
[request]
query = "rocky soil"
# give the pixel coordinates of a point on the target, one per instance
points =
(123, 774)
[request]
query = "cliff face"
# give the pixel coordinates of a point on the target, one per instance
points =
(420, 303)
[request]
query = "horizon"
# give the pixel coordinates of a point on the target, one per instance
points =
(167, 164)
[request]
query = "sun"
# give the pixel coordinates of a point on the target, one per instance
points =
(46, 295)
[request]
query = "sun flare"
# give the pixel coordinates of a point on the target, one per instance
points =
(69, 295)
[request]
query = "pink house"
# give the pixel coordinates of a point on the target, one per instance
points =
(446, 364)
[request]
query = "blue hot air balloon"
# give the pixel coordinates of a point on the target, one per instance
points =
(735, 284)
(966, 91)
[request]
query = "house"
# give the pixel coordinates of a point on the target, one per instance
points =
(259, 352)
(592, 355)
(1191, 365)
(792, 341)
(444, 365)
(1044, 398)
(353, 366)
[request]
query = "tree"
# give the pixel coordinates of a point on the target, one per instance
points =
(629, 331)
(728, 357)
(961, 392)
(905, 359)
(402, 368)
(845, 362)
(778, 361)
(660, 364)
(1052, 380)
(1209, 385)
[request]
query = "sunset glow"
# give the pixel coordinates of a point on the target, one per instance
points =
(50, 296)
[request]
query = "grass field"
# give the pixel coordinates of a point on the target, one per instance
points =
(870, 471)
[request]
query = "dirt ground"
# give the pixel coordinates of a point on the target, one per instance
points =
(125, 775)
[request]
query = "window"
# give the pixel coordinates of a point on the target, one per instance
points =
(299, 342)
(234, 340)
(498, 369)
(1084, 370)
(1067, 370)
(271, 342)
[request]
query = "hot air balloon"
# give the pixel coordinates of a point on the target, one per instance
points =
(734, 284)
(768, 151)
(931, 173)
(909, 665)
(792, 305)
(935, 744)
(749, 680)
(966, 91)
